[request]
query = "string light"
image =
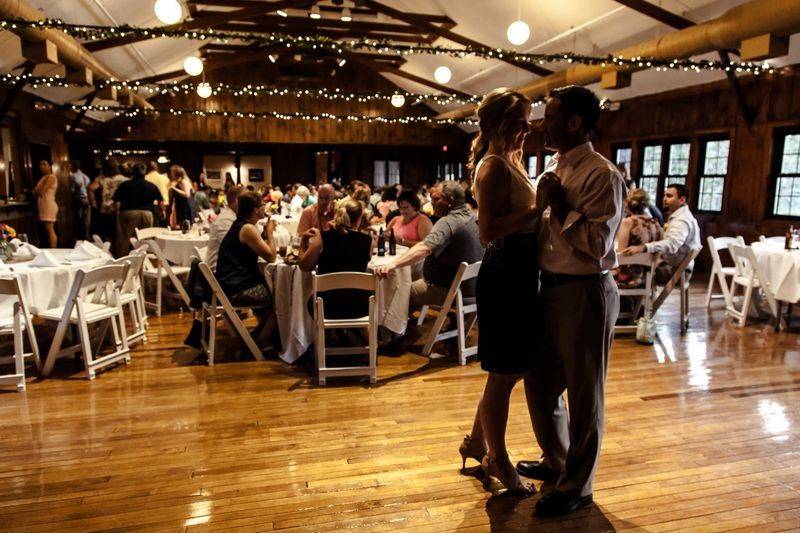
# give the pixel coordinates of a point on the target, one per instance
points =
(189, 87)
(131, 112)
(383, 46)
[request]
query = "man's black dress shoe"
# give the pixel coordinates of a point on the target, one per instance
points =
(536, 470)
(557, 503)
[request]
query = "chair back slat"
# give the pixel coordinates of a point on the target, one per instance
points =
(642, 259)
(200, 253)
(471, 271)
(10, 286)
(149, 233)
(344, 280)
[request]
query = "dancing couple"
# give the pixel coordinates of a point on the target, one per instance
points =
(556, 338)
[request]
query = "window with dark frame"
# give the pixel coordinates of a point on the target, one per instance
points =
(533, 169)
(449, 171)
(651, 170)
(623, 156)
(546, 158)
(663, 163)
(677, 163)
(714, 166)
(787, 172)
(385, 173)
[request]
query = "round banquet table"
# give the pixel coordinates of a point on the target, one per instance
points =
(781, 267)
(179, 247)
(288, 223)
(45, 287)
(292, 289)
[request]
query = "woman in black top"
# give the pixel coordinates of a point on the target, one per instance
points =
(237, 263)
(340, 249)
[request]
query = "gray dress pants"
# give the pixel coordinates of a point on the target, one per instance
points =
(578, 324)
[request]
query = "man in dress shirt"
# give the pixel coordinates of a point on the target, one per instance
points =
(321, 213)
(681, 235)
(583, 194)
(161, 181)
(219, 228)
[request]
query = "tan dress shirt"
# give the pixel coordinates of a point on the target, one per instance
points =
(595, 191)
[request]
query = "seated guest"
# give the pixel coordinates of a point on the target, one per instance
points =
(637, 228)
(411, 226)
(454, 239)
(681, 236)
(340, 249)
(298, 201)
(237, 262)
(219, 228)
(321, 213)
(388, 201)
(135, 199)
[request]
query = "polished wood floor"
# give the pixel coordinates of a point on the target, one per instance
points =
(701, 435)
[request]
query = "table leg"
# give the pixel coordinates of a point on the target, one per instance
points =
(778, 318)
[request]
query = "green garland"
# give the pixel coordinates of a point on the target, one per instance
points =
(90, 32)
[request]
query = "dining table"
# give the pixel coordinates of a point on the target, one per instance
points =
(178, 247)
(292, 289)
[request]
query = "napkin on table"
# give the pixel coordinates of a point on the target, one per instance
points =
(45, 259)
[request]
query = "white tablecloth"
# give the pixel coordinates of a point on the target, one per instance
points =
(291, 289)
(288, 223)
(178, 247)
(782, 269)
(44, 287)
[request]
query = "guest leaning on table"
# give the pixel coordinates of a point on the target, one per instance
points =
(343, 248)
(454, 239)
(237, 263)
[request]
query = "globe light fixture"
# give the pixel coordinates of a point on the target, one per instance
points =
(193, 66)
(518, 32)
(398, 100)
(168, 11)
(442, 74)
(204, 90)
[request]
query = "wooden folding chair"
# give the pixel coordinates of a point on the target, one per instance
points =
(720, 274)
(15, 325)
(680, 278)
(749, 276)
(221, 306)
(94, 297)
(97, 241)
(200, 252)
(463, 307)
(643, 295)
(345, 280)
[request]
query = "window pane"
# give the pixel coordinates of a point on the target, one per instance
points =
(651, 166)
(716, 157)
(394, 172)
(547, 158)
(650, 185)
(711, 193)
(379, 173)
(791, 144)
(789, 164)
(623, 157)
(787, 196)
(678, 159)
(532, 160)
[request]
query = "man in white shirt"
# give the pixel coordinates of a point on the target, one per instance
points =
(681, 235)
(78, 184)
(583, 195)
(162, 182)
(219, 228)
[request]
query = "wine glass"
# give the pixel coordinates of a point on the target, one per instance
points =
(185, 225)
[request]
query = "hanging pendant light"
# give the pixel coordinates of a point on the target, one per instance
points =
(347, 15)
(204, 90)
(518, 32)
(282, 13)
(314, 13)
(168, 11)
(193, 66)
(442, 74)
(398, 100)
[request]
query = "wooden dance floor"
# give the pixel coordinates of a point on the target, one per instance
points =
(701, 434)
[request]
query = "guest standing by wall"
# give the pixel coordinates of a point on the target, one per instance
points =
(508, 280)
(80, 200)
(45, 192)
(101, 195)
(182, 197)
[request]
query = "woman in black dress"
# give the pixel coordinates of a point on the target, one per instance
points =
(508, 280)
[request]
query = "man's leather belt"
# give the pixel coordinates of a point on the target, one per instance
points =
(551, 279)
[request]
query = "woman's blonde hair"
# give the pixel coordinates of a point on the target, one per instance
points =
(638, 200)
(498, 116)
(348, 215)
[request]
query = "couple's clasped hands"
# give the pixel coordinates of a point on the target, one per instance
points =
(550, 193)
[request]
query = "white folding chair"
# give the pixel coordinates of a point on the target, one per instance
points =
(94, 297)
(345, 280)
(748, 276)
(97, 241)
(15, 325)
(200, 253)
(157, 268)
(779, 239)
(220, 306)
(150, 233)
(643, 295)
(679, 278)
(131, 294)
(720, 274)
(463, 306)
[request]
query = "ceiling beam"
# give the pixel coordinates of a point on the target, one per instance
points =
(363, 25)
(206, 21)
(310, 31)
(415, 20)
(679, 23)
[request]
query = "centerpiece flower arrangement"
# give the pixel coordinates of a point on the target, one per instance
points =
(6, 234)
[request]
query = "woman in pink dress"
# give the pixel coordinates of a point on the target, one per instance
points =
(411, 226)
(45, 192)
